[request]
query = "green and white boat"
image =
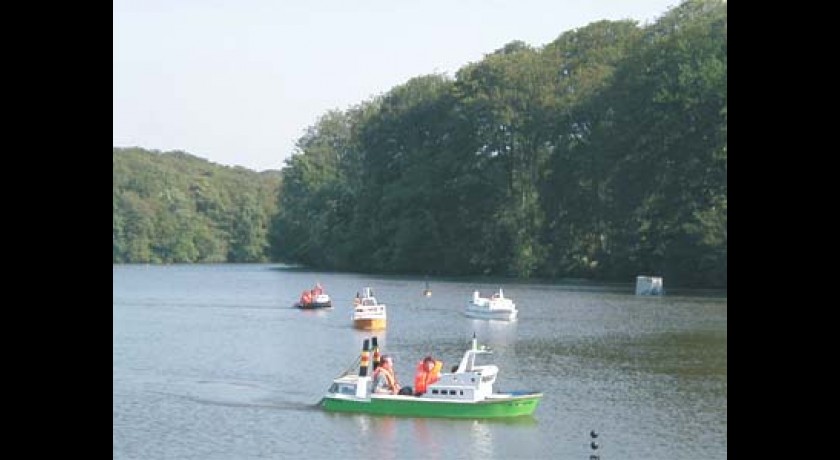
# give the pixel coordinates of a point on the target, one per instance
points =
(465, 393)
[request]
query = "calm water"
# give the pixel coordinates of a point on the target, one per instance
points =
(211, 362)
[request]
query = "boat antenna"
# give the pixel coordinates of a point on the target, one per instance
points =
(466, 363)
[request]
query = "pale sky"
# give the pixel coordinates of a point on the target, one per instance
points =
(237, 82)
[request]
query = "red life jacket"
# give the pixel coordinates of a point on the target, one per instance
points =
(422, 379)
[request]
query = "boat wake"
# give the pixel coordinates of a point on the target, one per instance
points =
(263, 404)
(235, 394)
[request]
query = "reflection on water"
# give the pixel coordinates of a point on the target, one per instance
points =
(481, 439)
(212, 362)
(385, 429)
(364, 423)
(493, 333)
(425, 438)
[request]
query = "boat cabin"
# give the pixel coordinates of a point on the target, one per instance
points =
(352, 385)
(468, 383)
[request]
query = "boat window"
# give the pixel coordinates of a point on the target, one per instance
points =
(347, 389)
(487, 378)
(461, 392)
(333, 388)
(452, 392)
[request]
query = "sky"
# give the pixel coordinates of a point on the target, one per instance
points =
(238, 82)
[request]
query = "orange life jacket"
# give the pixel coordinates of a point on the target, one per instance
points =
(423, 379)
(389, 376)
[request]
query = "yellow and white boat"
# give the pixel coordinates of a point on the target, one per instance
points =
(368, 314)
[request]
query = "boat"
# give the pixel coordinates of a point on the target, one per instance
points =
(465, 393)
(496, 306)
(368, 314)
(314, 298)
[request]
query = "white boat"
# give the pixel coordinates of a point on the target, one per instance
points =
(496, 306)
(368, 314)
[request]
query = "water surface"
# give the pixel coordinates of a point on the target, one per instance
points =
(211, 362)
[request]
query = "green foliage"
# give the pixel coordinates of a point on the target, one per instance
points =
(601, 155)
(176, 208)
(657, 153)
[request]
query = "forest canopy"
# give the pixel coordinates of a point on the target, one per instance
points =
(177, 208)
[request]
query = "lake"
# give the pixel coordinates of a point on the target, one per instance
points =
(212, 362)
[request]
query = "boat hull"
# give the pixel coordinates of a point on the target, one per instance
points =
(369, 324)
(496, 406)
(313, 305)
(501, 315)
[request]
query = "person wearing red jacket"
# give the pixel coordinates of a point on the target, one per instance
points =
(428, 372)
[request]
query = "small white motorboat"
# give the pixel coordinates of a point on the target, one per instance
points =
(496, 307)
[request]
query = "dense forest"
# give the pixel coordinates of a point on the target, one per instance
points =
(174, 207)
(600, 155)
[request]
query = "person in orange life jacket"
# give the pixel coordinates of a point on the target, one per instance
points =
(384, 378)
(428, 372)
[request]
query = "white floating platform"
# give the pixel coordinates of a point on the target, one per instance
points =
(649, 285)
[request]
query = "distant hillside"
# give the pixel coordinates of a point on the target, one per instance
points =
(173, 207)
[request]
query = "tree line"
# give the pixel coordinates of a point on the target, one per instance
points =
(174, 207)
(600, 155)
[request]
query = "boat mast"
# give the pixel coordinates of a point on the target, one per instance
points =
(469, 357)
